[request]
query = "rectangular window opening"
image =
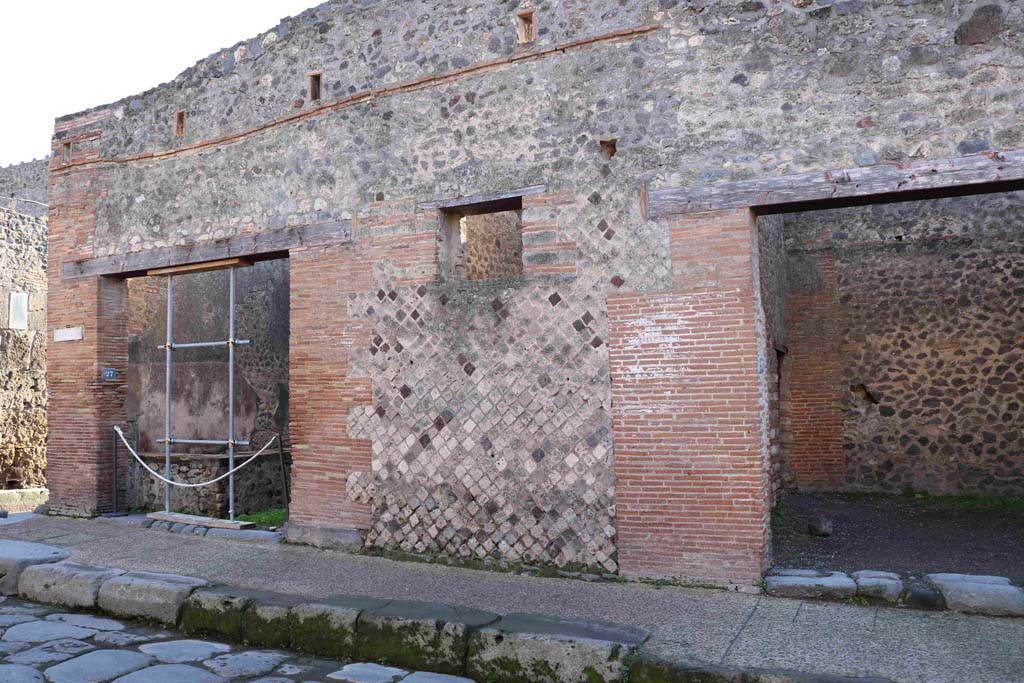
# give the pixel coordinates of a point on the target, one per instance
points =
(179, 123)
(65, 152)
(482, 241)
(315, 82)
(526, 28)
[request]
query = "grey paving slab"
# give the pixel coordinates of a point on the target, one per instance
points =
(368, 673)
(98, 666)
(42, 631)
(427, 677)
(8, 620)
(51, 652)
(120, 639)
(252, 663)
(87, 621)
(170, 673)
(16, 673)
(181, 651)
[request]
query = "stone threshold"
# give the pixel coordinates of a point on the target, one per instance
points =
(967, 593)
(412, 635)
(178, 523)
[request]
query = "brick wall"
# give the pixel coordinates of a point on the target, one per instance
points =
(812, 427)
(690, 410)
(82, 406)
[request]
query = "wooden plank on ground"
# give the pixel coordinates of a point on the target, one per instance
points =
(176, 517)
(934, 178)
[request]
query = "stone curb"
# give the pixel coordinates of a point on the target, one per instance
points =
(430, 637)
(650, 669)
(966, 593)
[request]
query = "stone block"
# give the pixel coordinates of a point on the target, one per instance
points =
(18, 673)
(15, 556)
(215, 611)
(64, 583)
(991, 595)
(148, 595)
(349, 540)
(524, 648)
(250, 535)
(268, 621)
(420, 635)
(825, 586)
(328, 627)
(881, 585)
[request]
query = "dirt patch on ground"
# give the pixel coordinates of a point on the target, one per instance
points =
(905, 534)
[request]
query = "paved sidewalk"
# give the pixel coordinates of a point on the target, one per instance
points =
(708, 626)
(43, 643)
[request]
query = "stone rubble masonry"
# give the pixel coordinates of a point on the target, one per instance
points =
(22, 352)
(904, 347)
(609, 409)
(25, 181)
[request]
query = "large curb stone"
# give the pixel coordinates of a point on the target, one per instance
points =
(148, 595)
(881, 585)
(328, 627)
(215, 611)
(991, 595)
(524, 648)
(349, 540)
(650, 669)
(419, 635)
(823, 585)
(15, 556)
(65, 583)
(239, 614)
(268, 621)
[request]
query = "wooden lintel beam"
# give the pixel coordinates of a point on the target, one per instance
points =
(201, 267)
(253, 246)
(934, 178)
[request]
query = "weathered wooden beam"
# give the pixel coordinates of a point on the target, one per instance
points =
(254, 247)
(483, 198)
(935, 178)
(203, 267)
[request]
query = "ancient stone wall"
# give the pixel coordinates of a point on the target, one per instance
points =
(23, 187)
(259, 486)
(920, 316)
(475, 418)
(494, 245)
(22, 351)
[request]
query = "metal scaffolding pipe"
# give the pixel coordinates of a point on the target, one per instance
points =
(204, 442)
(231, 393)
(195, 345)
(167, 387)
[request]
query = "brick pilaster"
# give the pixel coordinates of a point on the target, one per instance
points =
(82, 405)
(690, 411)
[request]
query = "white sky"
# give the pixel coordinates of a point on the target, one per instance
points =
(62, 56)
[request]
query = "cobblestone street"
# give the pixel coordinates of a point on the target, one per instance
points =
(41, 644)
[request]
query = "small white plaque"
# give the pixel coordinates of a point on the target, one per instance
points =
(68, 334)
(18, 317)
